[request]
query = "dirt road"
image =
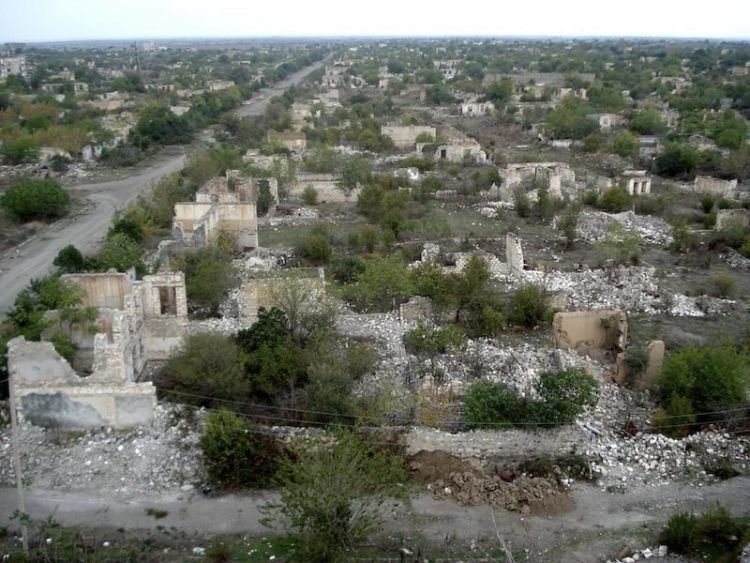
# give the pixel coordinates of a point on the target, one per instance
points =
(593, 527)
(86, 229)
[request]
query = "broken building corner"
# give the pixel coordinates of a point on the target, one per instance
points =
(136, 322)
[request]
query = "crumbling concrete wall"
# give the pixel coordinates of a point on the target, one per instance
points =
(418, 308)
(582, 330)
(327, 186)
(266, 293)
(514, 253)
(551, 175)
(405, 136)
(102, 290)
(727, 217)
(50, 393)
(507, 448)
(715, 186)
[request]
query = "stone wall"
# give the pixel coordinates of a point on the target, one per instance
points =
(506, 447)
(405, 136)
(51, 394)
(727, 217)
(715, 186)
(265, 292)
(327, 186)
(581, 330)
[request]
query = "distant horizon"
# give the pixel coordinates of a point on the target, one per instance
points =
(330, 37)
(56, 21)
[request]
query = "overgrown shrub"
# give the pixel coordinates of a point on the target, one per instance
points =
(562, 396)
(529, 306)
(35, 199)
(310, 196)
(332, 496)
(235, 453)
(209, 275)
(615, 200)
(206, 371)
(715, 531)
(708, 379)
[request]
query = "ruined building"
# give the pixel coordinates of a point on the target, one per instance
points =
(226, 204)
(135, 322)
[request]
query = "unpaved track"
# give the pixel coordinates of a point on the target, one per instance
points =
(86, 229)
(597, 525)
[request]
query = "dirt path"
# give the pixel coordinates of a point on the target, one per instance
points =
(595, 527)
(86, 229)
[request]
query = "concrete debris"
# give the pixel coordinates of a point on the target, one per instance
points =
(631, 289)
(160, 457)
(736, 260)
(593, 226)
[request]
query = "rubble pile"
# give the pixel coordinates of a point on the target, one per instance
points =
(470, 489)
(518, 367)
(593, 226)
(652, 459)
(162, 457)
(631, 289)
(701, 306)
(736, 260)
(386, 329)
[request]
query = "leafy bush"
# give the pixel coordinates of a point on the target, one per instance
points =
(711, 379)
(428, 340)
(725, 284)
(332, 496)
(316, 248)
(35, 199)
(676, 419)
(121, 253)
(715, 529)
(310, 196)
(681, 532)
(529, 306)
(615, 200)
(70, 260)
(19, 150)
(236, 454)
(562, 396)
(383, 282)
(200, 355)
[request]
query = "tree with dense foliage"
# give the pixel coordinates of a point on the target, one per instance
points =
(677, 160)
(121, 253)
(70, 260)
(529, 306)
(383, 284)
(626, 144)
(157, 125)
(35, 199)
(206, 371)
(648, 122)
(614, 200)
(570, 120)
(209, 275)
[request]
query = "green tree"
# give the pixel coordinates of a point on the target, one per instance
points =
(157, 125)
(677, 160)
(27, 317)
(35, 199)
(121, 253)
(499, 92)
(19, 150)
(648, 122)
(209, 275)
(626, 144)
(237, 454)
(70, 260)
(564, 395)
(354, 172)
(383, 283)
(332, 496)
(186, 374)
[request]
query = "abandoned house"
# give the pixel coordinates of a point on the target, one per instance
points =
(227, 204)
(295, 141)
(477, 108)
(134, 322)
(553, 176)
(715, 186)
(636, 182)
(405, 136)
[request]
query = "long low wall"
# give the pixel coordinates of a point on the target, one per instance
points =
(505, 447)
(90, 406)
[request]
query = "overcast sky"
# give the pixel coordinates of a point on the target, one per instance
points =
(48, 20)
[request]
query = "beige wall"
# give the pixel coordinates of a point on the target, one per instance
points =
(578, 330)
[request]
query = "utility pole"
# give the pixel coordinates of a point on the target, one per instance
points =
(17, 464)
(135, 50)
